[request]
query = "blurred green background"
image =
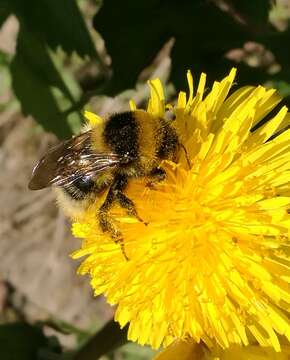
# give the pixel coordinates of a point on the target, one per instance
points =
(59, 57)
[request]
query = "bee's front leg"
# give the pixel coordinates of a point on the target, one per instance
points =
(128, 204)
(156, 175)
(122, 199)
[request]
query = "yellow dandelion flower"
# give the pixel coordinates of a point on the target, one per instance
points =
(193, 351)
(212, 264)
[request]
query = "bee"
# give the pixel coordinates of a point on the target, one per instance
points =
(105, 157)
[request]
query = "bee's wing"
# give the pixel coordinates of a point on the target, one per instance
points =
(69, 161)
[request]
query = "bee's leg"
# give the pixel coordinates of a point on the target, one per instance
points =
(128, 204)
(123, 200)
(106, 223)
(156, 175)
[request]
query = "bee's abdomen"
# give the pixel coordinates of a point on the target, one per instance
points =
(121, 134)
(142, 140)
(168, 141)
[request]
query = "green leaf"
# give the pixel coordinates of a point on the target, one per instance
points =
(4, 58)
(4, 12)
(278, 43)
(202, 32)
(41, 88)
(33, 78)
(133, 351)
(21, 341)
(56, 23)
(255, 12)
(131, 40)
(203, 36)
(283, 87)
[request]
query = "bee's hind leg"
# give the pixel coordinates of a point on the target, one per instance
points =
(107, 225)
(115, 194)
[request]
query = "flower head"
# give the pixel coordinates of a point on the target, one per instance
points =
(192, 351)
(212, 262)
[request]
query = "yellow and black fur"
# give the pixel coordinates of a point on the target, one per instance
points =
(126, 145)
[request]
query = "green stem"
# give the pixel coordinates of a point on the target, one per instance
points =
(110, 337)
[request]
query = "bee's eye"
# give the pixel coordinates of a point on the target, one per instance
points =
(84, 184)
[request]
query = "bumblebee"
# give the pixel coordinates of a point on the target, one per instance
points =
(125, 146)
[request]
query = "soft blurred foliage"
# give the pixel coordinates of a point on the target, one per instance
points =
(53, 43)
(73, 54)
